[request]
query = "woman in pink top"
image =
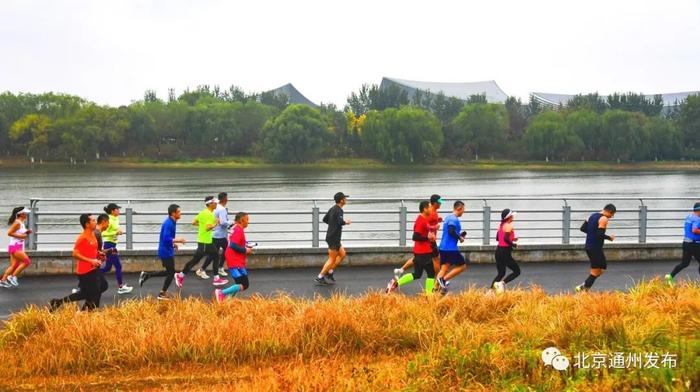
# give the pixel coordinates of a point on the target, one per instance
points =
(19, 260)
(504, 252)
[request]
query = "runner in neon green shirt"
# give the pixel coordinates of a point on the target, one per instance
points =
(205, 222)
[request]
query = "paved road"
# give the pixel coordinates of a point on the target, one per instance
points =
(552, 277)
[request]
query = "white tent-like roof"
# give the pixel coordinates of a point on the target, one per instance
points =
(462, 91)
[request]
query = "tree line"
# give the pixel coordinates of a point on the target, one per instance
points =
(381, 123)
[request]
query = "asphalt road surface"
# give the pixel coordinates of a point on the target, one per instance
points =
(552, 277)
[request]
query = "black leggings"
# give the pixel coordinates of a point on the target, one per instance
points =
(504, 258)
(169, 273)
(423, 262)
(220, 244)
(208, 250)
(243, 281)
(690, 250)
(91, 285)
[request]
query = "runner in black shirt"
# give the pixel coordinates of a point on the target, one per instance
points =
(595, 227)
(336, 253)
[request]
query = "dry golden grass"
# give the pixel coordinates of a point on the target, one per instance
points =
(471, 340)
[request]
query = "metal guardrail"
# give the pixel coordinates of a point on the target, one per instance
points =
(388, 221)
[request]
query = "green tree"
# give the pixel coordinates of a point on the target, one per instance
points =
(297, 135)
(516, 117)
(548, 137)
(586, 124)
(479, 129)
(689, 123)
(592, 102)
(665, 139)
(624, 135)
(32, 131)
(404, 135)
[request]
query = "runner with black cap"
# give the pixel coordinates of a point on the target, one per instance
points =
(595, 228)
(422, 253)
(434, 224)
(505, 236)
(110, 238)
(205, 222)
(691, 243)
(336, 253)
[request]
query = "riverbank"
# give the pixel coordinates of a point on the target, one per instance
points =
(360, 163)
(470, 341)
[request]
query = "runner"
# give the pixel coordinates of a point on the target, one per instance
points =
(102, 224)
(19, 260)
(691, 243)
(219, 240)
(236, 252)
(452, 236)
(505, 236)
(90, 280)
(336, 253)
(167, 245)
(422, 253)
(595, 228)
(110, 238)
(205, 222)
(434, 221)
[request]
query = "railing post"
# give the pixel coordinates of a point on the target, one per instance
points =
(402, 224)
(566, 224)
(129, 228)
(33, 220)
(642, 224)
(487, 225)
(315, 223)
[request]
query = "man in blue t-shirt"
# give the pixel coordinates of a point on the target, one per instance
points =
(452, 236)
(691, 242)
(167, 245)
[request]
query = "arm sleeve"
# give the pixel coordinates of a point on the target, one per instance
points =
(600, 234)
(452, 231)
(584, 227)
(168, 235)
(223, 219)
(236, 247)
(418, 237)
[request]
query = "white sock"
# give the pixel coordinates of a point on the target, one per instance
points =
(330, 272)
(320, 276)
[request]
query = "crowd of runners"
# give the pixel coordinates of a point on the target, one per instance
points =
(223, 242)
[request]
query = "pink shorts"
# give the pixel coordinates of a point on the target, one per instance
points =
(15, 248)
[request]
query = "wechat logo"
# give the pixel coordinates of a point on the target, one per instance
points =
(551, 356)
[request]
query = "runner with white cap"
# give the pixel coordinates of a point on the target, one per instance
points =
(19, 260)
(205, 222)
(504, 252)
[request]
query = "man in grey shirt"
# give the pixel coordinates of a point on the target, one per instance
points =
(220, 236)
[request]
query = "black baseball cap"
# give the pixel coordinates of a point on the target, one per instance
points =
(696, 207)
(340, 196)
(436, 199)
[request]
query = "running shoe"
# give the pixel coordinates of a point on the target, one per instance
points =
(219, 295)
(142, 278)
(164, 297)
(54, 304)
(124, 289)
(75, 290)
(669, 280)
(397, 273)
(581, 288)
(222, 273)
(202, 274)
(13, 280)
(4, 283)
(179, 279)
(393, 285)
(321, 281)
(442, 283)
(499, 287)
(218, 281)
(330, 277)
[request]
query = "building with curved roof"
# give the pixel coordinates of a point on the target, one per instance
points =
(293, 95)
(556, 100)
(462, 91)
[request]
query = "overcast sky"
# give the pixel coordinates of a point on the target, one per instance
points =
(112, 51)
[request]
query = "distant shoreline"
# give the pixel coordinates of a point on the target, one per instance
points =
(359, 163)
